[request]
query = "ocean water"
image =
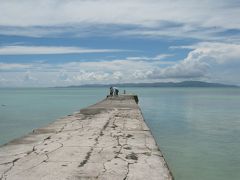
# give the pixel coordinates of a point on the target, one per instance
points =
(197, 129)
(23, 109)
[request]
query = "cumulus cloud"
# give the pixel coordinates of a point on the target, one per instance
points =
(86, 76)
(219, 52)
(217, 62)
(185, 69)
(28, 77)
(63, 76)
(26, 50)
(118, 75)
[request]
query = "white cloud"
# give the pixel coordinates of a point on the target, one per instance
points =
(187, 18)
(118, 75)
(192, 31)
(86, 76)
(184, 69)
(216, 62)
(155, 58)
(63, 76)
(143, 12)
(211, 60)
(14, 66)
(25, 50)
(219, 52)
(162, 56)
(28, 77)
(34, 31)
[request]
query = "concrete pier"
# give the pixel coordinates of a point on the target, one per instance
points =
(108, 140)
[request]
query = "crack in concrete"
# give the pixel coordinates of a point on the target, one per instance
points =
(89, 153)
(9, 169)
(28, 153)
(119, 144)
(126, 176)
(33, 151)
(46, 154)
(145, 143)
(6, 163)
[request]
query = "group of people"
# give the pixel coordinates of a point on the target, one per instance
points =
(114, 91)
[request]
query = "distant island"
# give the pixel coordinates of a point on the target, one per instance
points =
(160, 84)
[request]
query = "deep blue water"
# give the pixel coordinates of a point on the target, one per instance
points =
(197, 129)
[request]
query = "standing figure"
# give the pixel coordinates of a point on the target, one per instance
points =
(116, 91)
(111, 91)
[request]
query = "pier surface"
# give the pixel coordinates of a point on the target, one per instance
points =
(108, 140)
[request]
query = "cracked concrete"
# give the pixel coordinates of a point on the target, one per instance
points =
(108, 140)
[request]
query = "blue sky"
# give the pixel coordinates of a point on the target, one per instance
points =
(60, 43)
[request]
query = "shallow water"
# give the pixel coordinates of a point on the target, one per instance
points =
(22, 110)
(198, 129)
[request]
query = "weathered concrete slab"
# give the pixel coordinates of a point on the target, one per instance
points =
(108, 140)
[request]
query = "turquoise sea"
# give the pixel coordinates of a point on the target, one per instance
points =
(197, 129)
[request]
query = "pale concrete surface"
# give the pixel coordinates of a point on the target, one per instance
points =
(108, 140)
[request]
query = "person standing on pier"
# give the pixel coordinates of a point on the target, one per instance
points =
(116, 91)
(111, 91)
